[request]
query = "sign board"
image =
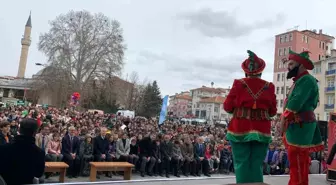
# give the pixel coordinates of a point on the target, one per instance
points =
(20, 102)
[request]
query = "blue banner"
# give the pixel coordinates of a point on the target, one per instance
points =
(163, 110)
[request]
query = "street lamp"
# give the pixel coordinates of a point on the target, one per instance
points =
(40, 64)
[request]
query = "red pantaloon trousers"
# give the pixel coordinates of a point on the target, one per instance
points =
(298, 166)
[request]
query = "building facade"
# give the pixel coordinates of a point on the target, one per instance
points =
(318, 43)
(203, 93)
(180, 105)
(325, 73)
(212, 109)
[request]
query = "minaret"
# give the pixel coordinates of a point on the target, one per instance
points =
(25, 42)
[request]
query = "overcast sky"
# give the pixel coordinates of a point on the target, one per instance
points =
(182, 44)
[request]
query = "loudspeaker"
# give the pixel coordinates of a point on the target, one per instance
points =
(258, 183)
(331, 175)
(323, 126)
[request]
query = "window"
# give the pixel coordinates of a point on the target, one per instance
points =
(330, 99)
(280, 51)
(281, 40)
(282, 90)
(303, 38)
(317, 69)
(287, 90)
(319, 57)
(327, 115)
(320, 44)
(277, 103)
(289, 48)
(281, 103)
(278, 77)
(286, 38)
(283, 77)
(307, 40)
(277, 90)
(303, 49)
(331, 66)
(216, 109)
(285, 51)
(330, 82)
(290, 36)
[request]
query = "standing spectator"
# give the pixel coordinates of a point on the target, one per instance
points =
(5, 137)
(70, 151)
(201, 161)
(86, 155)
(123, 148)
(14, 129)
(22, 160)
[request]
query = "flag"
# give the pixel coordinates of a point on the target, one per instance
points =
(163, 110)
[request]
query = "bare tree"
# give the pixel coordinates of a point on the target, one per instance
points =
(87, 46)
(134, 79)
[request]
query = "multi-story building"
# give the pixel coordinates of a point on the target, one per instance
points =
(204, 93)
(212, 109)
(319, 44)
(180, 104)
(325, 73)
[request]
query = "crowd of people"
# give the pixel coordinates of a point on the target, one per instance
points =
(78, 138)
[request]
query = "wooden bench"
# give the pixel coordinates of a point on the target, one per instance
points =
(110, 166)
(258, 183)
(57, 167)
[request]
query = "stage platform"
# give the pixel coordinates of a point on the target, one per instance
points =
(215, 180)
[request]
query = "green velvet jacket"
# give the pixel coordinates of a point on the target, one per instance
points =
(302, 129)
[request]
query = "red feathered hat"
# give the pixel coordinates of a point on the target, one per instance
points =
(253, 65)
(302, 58)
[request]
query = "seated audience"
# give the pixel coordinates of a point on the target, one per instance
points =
(86, 155)
(70, 150)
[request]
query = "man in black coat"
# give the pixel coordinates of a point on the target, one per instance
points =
(70, 152)
(166, 152)
(22, 160)
(145, 146)
(201, 161)
(101, 147)
(156, 154)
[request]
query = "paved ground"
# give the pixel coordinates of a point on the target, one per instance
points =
(214, 180)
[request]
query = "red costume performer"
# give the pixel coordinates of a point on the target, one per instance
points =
(252, 102)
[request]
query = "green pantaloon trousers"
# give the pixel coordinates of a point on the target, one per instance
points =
(248, 158)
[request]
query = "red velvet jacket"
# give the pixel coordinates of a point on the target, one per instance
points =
(240, 102)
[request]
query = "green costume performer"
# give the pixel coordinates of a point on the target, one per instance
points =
(302, 135)
(252, 102)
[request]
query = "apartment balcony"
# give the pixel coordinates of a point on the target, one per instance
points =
(330, 89)
(329, 106)
(330, 72)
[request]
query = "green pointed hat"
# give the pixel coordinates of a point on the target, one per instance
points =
(302, 58)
